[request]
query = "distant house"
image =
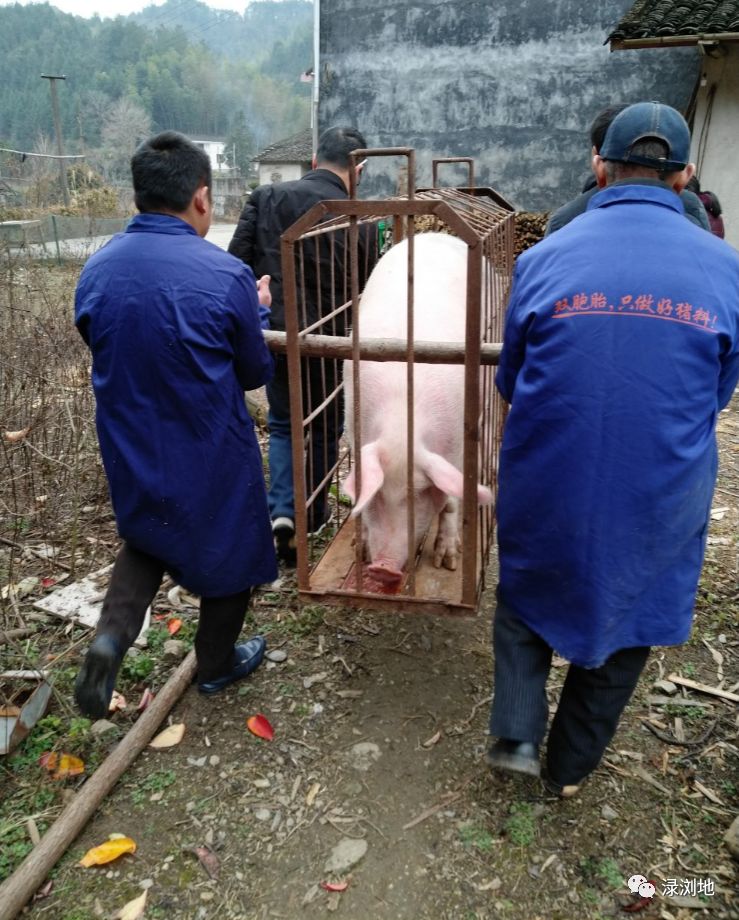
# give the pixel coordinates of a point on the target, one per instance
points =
(286, 159)
(216, 150)
(712, 27)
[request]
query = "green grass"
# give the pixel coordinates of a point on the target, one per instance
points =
(520, 826)
(154, 782)
(477, 837)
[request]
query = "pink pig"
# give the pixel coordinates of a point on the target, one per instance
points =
(439, 301)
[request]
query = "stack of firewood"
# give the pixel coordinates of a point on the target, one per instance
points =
(530, 228)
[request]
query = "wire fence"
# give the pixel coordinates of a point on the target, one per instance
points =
(57, 237)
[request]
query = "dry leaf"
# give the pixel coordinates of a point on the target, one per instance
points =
(134, 910)
(146, 697)
(334, 886)
(117, 701)
(174, 626)
(434, 739)
(312, 793)
(208, 860)
(61, 766)
(258, 725)
(14, 436)
(169, 737)
(44, 891)
(108, 851)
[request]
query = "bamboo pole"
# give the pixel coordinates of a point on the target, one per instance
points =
(18, 889)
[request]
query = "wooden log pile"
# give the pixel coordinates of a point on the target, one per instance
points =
(530, 228)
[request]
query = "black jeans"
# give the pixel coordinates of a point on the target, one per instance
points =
(590, 705)
(134, 582)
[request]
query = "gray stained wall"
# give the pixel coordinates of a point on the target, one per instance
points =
(513, 83)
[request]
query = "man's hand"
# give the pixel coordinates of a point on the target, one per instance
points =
(263, 292)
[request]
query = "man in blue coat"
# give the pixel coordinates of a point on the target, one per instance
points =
(173, 324)
(621, 347)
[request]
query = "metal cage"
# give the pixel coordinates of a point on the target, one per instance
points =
(326, 257)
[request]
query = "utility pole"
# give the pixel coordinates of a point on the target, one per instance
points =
(58, 128)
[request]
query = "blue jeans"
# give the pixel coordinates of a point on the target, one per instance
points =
(319, 377)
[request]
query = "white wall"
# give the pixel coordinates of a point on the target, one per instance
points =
(279, 172)
(715, 147)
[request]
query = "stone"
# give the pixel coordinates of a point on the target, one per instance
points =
(262, 814)
(276, 654)
(731, 839)
(102, 727)
(666, 686)
(364, 755)
(347, 853)
(608, 813)
(174, 650)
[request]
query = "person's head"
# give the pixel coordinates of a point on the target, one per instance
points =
(646, 140)
(602, 122)
(171, 175)
(334, 147)
(694, 185)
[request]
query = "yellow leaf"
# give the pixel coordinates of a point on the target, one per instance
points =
(68, 765)
(133, 910)
(108, 851)
(169, 737)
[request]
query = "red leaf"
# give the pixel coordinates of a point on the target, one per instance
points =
(146, 697)
(334, 886)
(160, 616)
(208, 860)
(174, 626)
(258, 725)
(48, 759)
(48, 581)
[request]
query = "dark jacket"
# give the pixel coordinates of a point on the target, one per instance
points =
(694, 210)
(270, 211)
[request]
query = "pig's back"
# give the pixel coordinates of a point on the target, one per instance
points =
(439, 290)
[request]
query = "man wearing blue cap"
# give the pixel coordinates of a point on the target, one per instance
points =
(621, 347)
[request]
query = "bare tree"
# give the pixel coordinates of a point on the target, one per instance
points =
(125, 125)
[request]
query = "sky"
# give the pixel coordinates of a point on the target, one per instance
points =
(110, 8)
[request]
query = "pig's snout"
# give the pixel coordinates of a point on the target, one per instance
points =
(386, 574)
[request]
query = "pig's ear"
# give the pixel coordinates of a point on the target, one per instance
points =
(448, 478)
(372, 477)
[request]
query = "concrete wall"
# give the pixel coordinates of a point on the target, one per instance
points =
(513, 83)
(280, 172)
(716, 134)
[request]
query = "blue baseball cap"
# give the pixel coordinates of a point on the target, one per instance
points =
(644, 121)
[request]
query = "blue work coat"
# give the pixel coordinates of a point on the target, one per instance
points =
(621, 346)
(173, 325)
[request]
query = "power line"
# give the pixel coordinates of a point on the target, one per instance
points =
(47, 156)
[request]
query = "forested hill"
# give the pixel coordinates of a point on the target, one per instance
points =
(182, 66)
(249, 37)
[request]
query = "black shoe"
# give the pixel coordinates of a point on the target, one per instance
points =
(248, 657)
(95, 682)
(515, 756)
(563, 792)
(283, 531)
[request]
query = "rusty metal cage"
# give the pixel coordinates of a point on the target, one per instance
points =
(326, 258)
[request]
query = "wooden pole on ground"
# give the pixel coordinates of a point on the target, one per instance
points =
(17, 890)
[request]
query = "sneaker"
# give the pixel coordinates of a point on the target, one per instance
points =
(247, 658)
(283, 532)
(95, 682)
(515, 756)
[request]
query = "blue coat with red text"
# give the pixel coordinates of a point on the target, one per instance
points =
(173, 325)
(621, 347)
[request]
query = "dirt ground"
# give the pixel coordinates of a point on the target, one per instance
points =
(380, 729)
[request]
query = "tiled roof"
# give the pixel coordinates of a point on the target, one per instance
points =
(668, 18)
(295, 149)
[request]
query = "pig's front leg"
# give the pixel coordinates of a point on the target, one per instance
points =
(448, 545)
